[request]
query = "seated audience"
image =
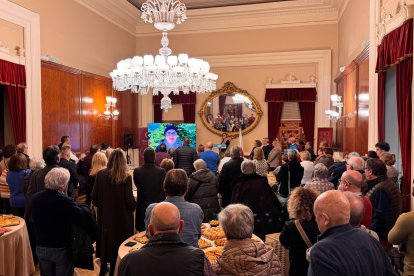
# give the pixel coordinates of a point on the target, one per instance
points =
(243, 255)
(53, 214)
(273, 159)
(148, 179)
(112, 195)
(352, 181)
(385, 198)
(381, 147)
(254, 191)
(65, 162)
(165, 253)
(290, 174)
(326, 157)
(167, 165)
(300, 208)
(203, 190)
(175, 187)
(336, 170)
(371, 154)
(403, 234)
(15, 179)
(389, 160)
(342, 249)
(22, 148)
(99, 162)
(307, 166)
(161, 154)
(320, 181)
(260, 162)
(357, 213)
(211, 158)
(229, 174)
(185, 156)
(257, 144)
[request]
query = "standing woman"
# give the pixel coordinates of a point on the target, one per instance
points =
(112, 194)
(273, 159)
(99, 162)
(260, 162)
(15, 178)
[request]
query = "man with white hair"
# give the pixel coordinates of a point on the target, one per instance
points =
(53, 213)
(342, 249)
(211, 158)
(165, 253)
(320, 181)
(355, 163)
(337, 169)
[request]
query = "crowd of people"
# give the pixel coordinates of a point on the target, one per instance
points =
(230, 122)
(336, 218)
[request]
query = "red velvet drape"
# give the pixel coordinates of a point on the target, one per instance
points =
(307, 115)
(274, 116)
(290, 95)
(157, 113)
(381, 106)
(189, 113)
(2, 91)
(222, 103)
(404, 74)
(396, 49)
(13, 76)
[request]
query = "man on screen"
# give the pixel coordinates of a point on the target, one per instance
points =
(171, 140)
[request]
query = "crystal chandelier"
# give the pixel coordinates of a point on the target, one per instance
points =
(164, 73)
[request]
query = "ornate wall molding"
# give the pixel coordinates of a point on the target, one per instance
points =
(292, 82)
(30, 21)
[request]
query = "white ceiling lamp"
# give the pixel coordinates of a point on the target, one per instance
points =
(164, 73)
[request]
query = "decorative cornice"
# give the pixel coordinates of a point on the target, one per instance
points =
(243, 17)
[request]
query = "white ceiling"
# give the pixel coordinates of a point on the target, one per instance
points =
(235, 15)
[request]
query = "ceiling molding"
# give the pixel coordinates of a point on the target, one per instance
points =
(222, 19)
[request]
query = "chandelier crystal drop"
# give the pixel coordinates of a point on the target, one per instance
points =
(164, 73)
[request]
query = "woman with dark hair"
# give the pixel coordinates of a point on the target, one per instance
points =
(171, 138)
(161, 154)
(300, 208)
(167, 164)
(224, 140)
(257, 144)
(112, 194)
(15, 178)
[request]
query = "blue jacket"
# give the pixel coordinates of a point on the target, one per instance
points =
(344, 250)
(211, 158)
(15, 180)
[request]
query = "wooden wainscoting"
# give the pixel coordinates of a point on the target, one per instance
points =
(352, 85)
(71, 103)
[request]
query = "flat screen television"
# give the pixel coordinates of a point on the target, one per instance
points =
(171, 134)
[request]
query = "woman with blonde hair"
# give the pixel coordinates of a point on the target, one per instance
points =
(260, 162)
(307, 166)
(112, 194)
(167, 164)
(273, 159)
(389, 160)
(300, 208)
(99, 162)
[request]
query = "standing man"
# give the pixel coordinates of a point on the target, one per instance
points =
(385, 198)
(72, 168)
(292, 143)
(266, 147)
(381, 147)
(229, 174)
(211, 158)
(342, 249)
(185, 156)
(148, 179)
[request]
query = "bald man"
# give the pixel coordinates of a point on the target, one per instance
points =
(342, 249)
(353, 181)
(165, 253)
(211, 158)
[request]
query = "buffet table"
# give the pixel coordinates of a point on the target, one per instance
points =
(16, 255)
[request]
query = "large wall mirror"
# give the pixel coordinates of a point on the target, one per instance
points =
(229, 110)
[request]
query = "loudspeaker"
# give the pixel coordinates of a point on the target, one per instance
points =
(128, 140)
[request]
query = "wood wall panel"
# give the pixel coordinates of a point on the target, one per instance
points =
(128, 121)
(352, 84)
(95, 129)
(60, 104)
(71, 103)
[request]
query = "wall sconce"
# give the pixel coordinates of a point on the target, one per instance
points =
(110, 111)
(336, 115)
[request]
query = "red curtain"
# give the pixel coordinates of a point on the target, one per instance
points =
(404, 74)
(2, 91)
(12, 74)
(381, 106)
(177, 99)
(17, 103)
(222, 103)
(290, 95)
(157, 113)
(189, 113)
(274, 116)
(307, 115)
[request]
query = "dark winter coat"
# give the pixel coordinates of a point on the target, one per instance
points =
(184, 158)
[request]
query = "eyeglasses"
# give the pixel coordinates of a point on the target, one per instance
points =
(170, 133)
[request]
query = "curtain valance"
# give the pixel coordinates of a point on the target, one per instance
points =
(290, 95)
(12, 74)
(177, 99)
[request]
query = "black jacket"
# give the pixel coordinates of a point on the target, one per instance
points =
(296, 175)
(149, 181)
(266, 150)
(184, 158)
(164, 254)
(255, 192)
(230, 172)
(202, 190)
(73, 170)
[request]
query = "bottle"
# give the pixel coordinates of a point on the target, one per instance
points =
(108, 269)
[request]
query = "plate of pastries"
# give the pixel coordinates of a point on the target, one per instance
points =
(8, 220)
(214, 233)
(214, 223)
